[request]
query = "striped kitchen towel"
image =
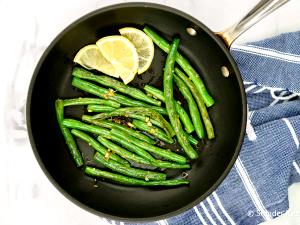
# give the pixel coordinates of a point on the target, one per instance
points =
(269, 162)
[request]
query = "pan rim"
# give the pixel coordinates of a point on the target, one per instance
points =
(217, 40)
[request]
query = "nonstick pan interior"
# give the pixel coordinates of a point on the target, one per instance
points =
(52, 80)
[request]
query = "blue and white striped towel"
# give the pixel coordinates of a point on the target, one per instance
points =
(257, 186)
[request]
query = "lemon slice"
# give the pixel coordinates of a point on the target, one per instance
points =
(121, 53)
(143, 45)
(90, 57)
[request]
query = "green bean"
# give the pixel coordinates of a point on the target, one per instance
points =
(194, 112)
(170, 104)
(192, 140)
(88, 101)
(152, 121)
(75, 124)
(169, 165)
(205, 116)
(110, 125)
(167, 154)
(151, 161)
(184, 117)
(160, 134)
(115, 84)
(132, 147)
(105, 93)
(59, 107)
(121, 151)
(185, 65)
(99, 108)
(99, 148)
(131, 181)
(146, 119)
(160, 110)
(156, 93)
(129, 171)
(137, 110)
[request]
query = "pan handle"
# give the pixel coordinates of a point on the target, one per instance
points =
(262, 9)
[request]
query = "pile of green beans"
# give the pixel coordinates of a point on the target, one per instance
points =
(128, 129)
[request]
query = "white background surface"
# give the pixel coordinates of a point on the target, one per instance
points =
(27, 27)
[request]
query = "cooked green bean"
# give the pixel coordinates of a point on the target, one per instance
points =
(105, 93)
(184, 63)
(169, 165)
(193, 108)
(99, 108)
(156, 93)
(205, 116)
(129, 171)
(137, 110)
(59, 107)
(165, 153)
(184, 117)
(115, 84)
(110, 125)
(75, 124)
(192, 140)
(146, 119)
(99, 148)
(160, 110)
(132, 181)
(88, 101)
(132, 147)
(141, 152)
(121, 151)
(144, 154)
(152, 121)
(160, 134)
(170, 103)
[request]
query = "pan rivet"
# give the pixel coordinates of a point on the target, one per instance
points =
(225, 71)
(191, 31)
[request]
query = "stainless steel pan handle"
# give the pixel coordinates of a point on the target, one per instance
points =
(262, 9)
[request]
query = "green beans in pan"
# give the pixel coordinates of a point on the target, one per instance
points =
(155, 131)
(205, 116)
(166, 154)
(100, 108)
(193, 108)
(129, 171)
(184, 63)
(132, 181)
(76, 124)
(140, 111)
(99, 148)
(184, 117)
(141, 152)
(110, 125)
(170, 104)
(88, 101)
(147, 119)
(121, 151)
(59, 107)
(108, 93)
(115, 84)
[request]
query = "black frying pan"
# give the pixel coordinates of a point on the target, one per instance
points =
(51, 80)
